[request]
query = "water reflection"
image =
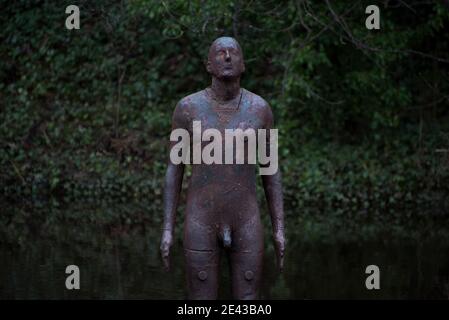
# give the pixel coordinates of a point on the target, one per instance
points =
(116, 249)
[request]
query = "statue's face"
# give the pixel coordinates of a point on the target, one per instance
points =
(225, 58)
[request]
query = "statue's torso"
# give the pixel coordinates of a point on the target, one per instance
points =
(223, 194)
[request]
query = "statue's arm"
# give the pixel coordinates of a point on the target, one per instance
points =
(172, 189)
(272, 185)
(273, 193)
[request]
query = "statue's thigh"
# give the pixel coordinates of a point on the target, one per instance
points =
(199, 229)
(246, 269)
(202, 269)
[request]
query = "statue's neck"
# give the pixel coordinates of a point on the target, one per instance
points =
(225, 89)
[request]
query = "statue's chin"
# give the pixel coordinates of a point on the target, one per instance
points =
(228, 75)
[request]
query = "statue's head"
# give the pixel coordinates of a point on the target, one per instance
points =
(225, 58)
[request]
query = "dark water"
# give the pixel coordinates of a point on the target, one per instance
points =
(116, 249)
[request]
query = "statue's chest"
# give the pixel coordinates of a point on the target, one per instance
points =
(221, 117)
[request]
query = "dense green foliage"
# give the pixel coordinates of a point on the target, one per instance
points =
(361, 113)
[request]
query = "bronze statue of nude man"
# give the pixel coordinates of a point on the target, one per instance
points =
(222, 213)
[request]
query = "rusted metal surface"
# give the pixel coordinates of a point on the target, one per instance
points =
(222, 213)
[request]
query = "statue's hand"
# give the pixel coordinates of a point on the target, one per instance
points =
(279, 244)
(166, 243)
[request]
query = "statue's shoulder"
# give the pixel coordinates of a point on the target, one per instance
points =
(187, 105)
(260, 106)
(256, 101)
(192, 100)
